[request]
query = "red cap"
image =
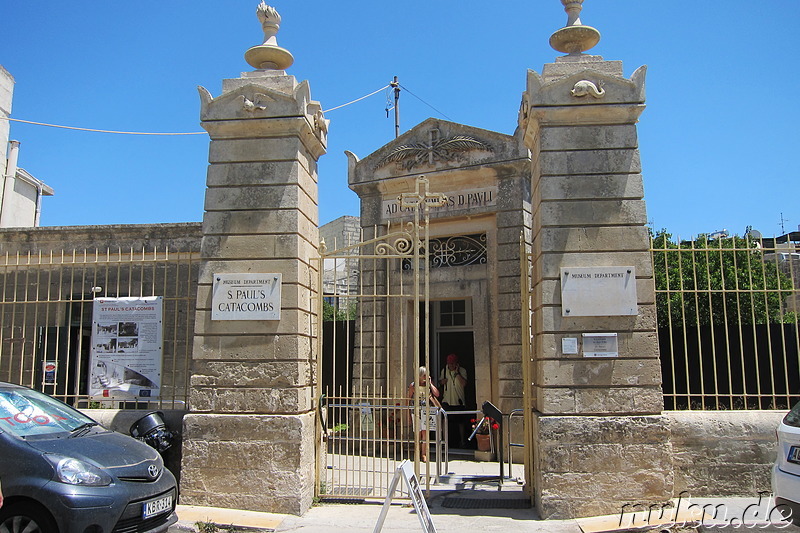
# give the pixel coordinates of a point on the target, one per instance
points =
(452, 358)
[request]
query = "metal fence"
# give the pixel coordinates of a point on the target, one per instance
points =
(727, 322)
(46, 316)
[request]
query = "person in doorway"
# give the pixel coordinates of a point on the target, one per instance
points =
(428, 394)
(453, 380)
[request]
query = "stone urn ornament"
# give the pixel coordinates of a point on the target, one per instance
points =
(574, 38)
(268, 55)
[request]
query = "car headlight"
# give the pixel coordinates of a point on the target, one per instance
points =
(75, 472)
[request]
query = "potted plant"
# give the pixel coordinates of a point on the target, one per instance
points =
(485, 426)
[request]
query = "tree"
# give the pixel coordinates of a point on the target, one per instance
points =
(330, 312)
(721, 281)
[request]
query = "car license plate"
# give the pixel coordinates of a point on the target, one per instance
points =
(794, 455)
(157, 506)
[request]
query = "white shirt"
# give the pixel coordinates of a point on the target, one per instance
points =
(453, 389)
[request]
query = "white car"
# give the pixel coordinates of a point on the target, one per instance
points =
(786, 472)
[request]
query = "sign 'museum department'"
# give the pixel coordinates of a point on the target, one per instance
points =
(598, 291)
(246, 297)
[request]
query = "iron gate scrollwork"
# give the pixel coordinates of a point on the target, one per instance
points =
(458, 250)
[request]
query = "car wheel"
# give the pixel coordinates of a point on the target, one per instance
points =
(26, 517)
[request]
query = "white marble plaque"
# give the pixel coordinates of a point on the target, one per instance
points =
(600, 345)
(246, 297)
(598, 291)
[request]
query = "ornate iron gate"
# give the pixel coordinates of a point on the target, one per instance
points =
(373, 297)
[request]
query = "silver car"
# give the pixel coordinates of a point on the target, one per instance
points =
(786, 472)
(62, 472)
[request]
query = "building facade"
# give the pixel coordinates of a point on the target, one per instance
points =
(20, 193)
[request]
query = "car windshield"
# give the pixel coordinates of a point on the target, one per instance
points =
(793, 418)
(26, 413)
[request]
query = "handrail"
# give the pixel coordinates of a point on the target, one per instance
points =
(508, 439)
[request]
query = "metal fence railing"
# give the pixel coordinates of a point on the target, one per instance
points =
(46, 302)
(366, 439)
(727, 312)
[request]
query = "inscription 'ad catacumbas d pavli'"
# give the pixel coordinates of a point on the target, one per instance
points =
(456, 201)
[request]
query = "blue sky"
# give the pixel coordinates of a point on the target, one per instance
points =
(716, 139)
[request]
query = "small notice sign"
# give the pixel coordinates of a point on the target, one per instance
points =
(600, 345)
(406, 471)
(50, 368)
(246, 297)
(569, 346)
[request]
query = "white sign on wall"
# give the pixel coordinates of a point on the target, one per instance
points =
(598, 291)
(127, 346)
(246, 297)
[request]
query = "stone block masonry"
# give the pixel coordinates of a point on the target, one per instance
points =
(592, 465)
(249, 438)
(598, 435)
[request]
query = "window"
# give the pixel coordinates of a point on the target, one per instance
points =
(454, 313)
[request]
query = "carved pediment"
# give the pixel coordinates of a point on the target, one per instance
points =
(436, 143)
(255, 100)
(451, 148)
(432, 146)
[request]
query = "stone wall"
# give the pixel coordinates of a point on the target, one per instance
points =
(583, 460)
(183, 237)
(592, 465)
(723, 453)
(715, 453)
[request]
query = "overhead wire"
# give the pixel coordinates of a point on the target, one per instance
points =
(356, 100)
(95, 130)
(424, 102)
(100, 131)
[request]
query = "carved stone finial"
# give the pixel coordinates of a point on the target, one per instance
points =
(270, 20)
(268, 55)
(574, 38)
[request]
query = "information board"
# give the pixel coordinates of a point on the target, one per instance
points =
(127, 347)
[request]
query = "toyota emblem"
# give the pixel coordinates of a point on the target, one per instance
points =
(153, 471)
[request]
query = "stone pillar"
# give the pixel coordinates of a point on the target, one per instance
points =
(600, 440)
(249, 440)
